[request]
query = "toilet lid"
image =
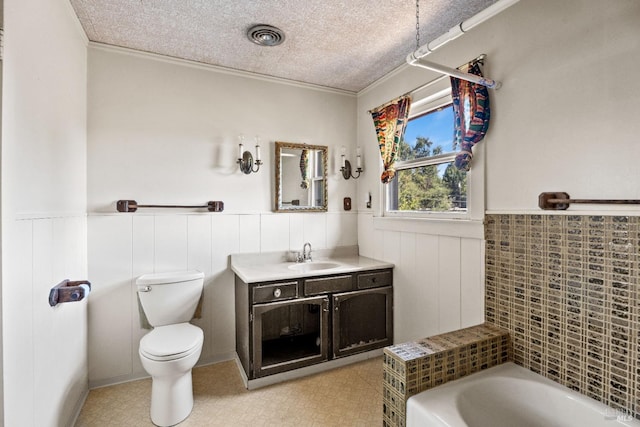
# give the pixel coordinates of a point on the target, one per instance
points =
(171, 341)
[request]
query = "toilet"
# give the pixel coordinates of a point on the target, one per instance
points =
(172, 348)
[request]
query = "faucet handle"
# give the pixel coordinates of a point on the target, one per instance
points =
(294, 256)
(306, 256)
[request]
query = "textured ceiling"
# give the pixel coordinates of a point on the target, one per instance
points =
(342, 44)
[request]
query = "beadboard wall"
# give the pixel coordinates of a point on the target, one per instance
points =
(48, 345)
(438, 275)
(125, 246)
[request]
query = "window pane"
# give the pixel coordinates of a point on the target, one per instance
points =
(437, 188)
(428, 135)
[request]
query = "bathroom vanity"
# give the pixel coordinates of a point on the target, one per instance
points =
(295, 315)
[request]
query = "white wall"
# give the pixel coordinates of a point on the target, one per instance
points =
(565, 119)
(164, 131)
(1, 315)
(44, 216)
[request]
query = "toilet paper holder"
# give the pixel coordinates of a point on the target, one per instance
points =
(69, 291)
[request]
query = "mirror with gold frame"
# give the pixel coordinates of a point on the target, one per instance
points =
(301, 177)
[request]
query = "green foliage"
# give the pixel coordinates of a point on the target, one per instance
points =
(456, 181)
(424, 188)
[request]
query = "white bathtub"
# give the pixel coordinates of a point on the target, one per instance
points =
(509, 395)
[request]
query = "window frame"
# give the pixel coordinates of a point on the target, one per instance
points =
(475, 178)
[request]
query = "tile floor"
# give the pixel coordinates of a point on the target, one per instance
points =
(346, 396)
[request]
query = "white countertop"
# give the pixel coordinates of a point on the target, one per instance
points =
(252, 268)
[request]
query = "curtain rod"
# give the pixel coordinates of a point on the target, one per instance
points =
(491, 84)
(415, 57)
(463, 27)
(480, 58)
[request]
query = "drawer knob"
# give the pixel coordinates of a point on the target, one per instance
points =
(277, 292)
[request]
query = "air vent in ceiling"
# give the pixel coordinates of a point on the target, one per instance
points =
(265, 35)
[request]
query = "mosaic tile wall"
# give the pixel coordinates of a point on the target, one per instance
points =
(567, 288)
(412, 367)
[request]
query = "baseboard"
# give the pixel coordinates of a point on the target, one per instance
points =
(78, 407)
(216, 358)
(117, 380)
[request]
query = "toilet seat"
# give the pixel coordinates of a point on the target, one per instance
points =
(171, 342)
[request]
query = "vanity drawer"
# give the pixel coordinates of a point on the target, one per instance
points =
(375, 280)
(275, 292)
(325, 285)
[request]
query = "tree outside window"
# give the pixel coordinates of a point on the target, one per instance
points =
(426, 178)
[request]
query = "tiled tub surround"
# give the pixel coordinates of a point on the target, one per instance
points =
(412, 367)
(567, 288)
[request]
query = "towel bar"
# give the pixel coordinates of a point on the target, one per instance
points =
(132, 206)
(560, 201)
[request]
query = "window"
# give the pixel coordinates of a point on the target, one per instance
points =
(427, 182)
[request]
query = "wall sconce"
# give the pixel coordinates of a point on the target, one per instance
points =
(245, 159)
(346, 165)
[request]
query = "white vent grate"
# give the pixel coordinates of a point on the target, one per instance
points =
(265, 35)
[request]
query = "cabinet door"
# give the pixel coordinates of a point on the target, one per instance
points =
(289, 334)
(362, 320)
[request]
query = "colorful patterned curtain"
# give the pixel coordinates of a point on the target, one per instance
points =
(471, 111)
(304, 167)
(390, 121)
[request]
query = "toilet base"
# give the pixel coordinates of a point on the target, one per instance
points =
(171, 399)
(171, 387)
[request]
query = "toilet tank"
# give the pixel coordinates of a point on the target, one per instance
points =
(169, 298)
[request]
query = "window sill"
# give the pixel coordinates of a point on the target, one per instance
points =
(468, 228)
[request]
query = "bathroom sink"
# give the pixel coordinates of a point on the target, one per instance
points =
(314, 266)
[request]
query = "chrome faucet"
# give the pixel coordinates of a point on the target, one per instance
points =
(306, 257)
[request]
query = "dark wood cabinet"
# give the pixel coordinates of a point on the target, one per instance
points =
(362, 320)
(289, 324)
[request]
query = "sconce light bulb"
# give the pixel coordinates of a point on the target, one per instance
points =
(240, 150)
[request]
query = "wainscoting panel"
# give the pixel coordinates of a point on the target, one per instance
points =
(45, 346)
(438, 278)
(274, 231)
(18, 326)
(124, 246)
(472, 282)
(171, 242)
(111, 305)
(425, 281)
(143, 261)
(449, 284)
